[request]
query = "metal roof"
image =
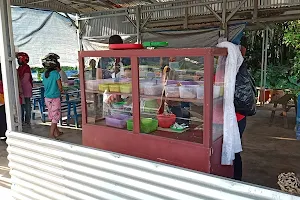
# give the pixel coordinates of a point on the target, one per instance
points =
(175, 14)
(79, 6)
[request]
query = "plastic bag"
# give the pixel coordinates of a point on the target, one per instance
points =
(244, 95)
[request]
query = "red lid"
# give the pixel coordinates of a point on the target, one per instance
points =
(125, 46)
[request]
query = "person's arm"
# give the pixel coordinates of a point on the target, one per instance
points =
(20, 86)
(58, 81)
(60, 85)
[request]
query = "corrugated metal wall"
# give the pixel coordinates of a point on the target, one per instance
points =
(44, 169)
(106, 26)
(195, 9)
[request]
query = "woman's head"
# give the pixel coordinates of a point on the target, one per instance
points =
(115, 39)
(22, 58)
(92, 63)
(127, 72)
(50, 62)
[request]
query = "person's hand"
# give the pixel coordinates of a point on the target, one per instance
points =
(111, 98)
(21, 94)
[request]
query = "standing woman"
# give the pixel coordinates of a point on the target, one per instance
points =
(26, 81)
(3, 125)
(53, 89)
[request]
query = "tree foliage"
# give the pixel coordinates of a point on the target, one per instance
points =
(283, 55)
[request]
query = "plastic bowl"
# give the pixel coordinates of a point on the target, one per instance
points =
(114, 87)
(153, 90)
(147, 125)
(188, 91)
(118, 120)
(166, 121)
(103, 87)
(200, 92)
(118, 105)
(172, 91)
(126, 88)
(92, 84)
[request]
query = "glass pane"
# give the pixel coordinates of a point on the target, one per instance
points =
(218, 91)
(171, 96)
(109, 92)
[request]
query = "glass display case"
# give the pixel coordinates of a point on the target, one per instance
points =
(164, 105)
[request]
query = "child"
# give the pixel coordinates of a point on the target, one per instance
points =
(53, 90)
(25, 78)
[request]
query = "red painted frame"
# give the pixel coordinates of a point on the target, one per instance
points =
(204, 157)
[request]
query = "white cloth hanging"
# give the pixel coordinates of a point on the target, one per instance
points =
(231, 135)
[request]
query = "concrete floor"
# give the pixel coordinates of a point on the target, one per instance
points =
(268, 151)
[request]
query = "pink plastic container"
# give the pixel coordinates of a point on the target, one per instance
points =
(117, 120)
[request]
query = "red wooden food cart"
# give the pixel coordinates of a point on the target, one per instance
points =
(196, 147)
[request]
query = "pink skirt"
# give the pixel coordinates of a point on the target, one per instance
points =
(54, 107)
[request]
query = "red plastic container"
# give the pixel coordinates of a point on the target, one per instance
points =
(166, 121)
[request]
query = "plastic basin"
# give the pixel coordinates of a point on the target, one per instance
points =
(147, 125)
(166, 121)
(118, 120)
(126, 88)
(172, 91)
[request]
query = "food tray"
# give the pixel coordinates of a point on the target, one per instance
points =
(147, 125)
(172, 91)
(126, 88)
(118, 120)
(188, 91)
(114, 87)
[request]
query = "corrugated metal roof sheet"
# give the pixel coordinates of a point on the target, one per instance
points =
(43, 169)
(88, 6)
(79, 6)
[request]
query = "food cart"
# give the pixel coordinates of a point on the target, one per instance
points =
(128, 125)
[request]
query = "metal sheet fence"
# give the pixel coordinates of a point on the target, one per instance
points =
(44, 169)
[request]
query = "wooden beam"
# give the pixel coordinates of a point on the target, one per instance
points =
(186, 18)
(235, 10)
(255, 10)
(214, 13)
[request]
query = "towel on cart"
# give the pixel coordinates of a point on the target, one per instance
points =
(231, 135)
